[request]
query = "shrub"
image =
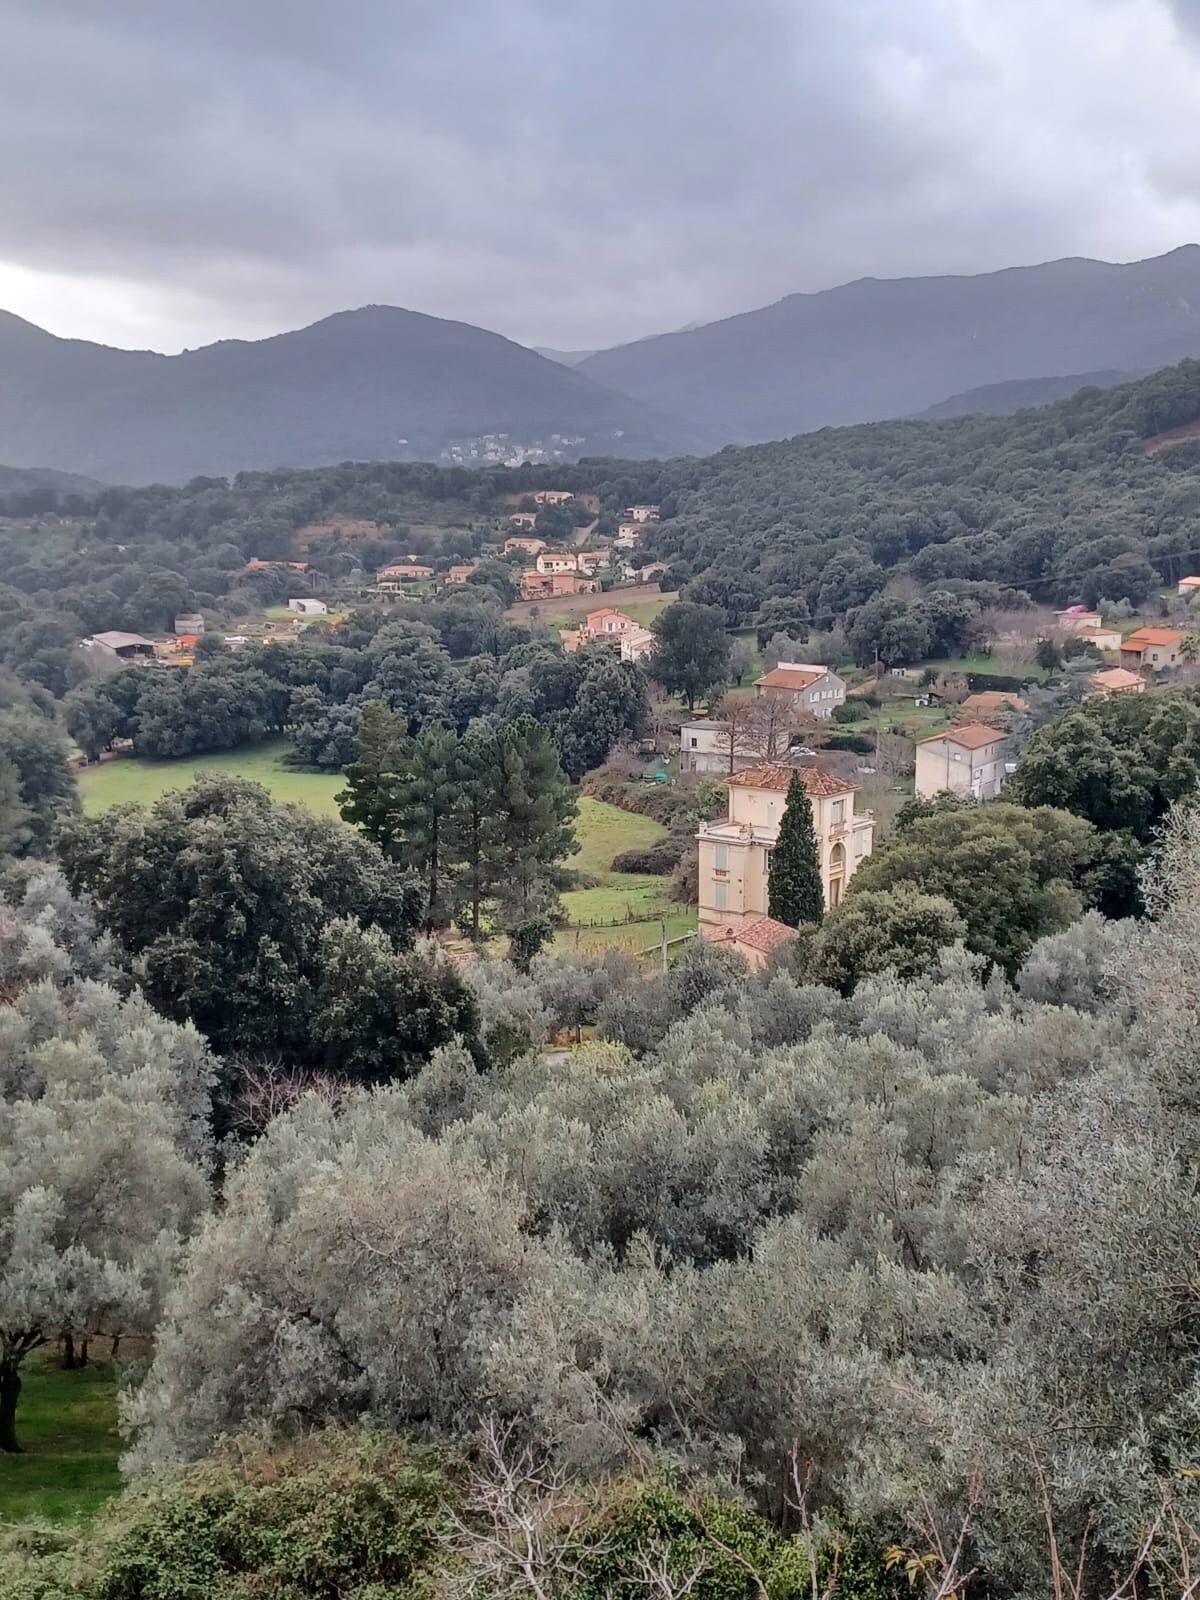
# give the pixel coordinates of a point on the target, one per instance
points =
(656, 860)
(850, 710)
(860, 743)
(339, 1516)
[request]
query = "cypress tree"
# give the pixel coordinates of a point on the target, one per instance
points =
(795, 894)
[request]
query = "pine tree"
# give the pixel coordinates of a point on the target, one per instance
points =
(420, 823)
(369, 799)
(795, 894)
(473, 828)
(533, 808)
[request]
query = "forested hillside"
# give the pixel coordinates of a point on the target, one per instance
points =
(892, 347)
(1018, 394)
(1061, 501)
(1061, 504)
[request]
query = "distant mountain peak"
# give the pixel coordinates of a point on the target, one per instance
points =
(374, 382)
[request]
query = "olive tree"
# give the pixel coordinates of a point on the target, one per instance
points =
(103, 1161)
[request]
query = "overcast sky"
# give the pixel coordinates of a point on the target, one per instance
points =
(569, 172)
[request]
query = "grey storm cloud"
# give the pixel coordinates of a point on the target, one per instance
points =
(575, 173)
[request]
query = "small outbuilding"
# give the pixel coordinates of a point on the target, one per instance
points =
(121, 646)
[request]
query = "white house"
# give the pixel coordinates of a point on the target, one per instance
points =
(308, 608)
(970, 761)
(636, 644)
(804, 686)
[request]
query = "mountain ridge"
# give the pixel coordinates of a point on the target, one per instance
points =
(373, 382)
(877, 348)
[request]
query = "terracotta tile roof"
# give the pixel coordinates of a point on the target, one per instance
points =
(819, 784)
(993, 700)
(1115, 678)
(1192, 583)
(972, 736)
(765, 934)
(1148, 636)
(782, 677)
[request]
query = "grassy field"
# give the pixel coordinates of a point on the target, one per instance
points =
(603, 832)
(642, 603)
(67, 1424)
(129, 779)
(999, 663)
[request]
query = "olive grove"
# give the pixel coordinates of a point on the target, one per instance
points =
(927, 1249)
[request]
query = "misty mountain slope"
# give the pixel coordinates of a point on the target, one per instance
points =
(877, 349)
(45, 482)
(1019, 394)
(374, 383)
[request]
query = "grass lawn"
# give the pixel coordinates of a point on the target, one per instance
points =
(604, 831)
(67, 1424)
(998, 663)
(645, 611)
(129, 779)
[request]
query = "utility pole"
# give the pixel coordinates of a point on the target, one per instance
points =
(663, 923)
(878, 711)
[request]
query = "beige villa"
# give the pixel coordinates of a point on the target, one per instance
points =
(735, 855)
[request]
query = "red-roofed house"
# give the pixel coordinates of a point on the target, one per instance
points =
(547, 585)
(607, 622)
(806, 686)
(754, 941)
(971, 761)
(1117, 680)
(461, 572)
(556, 561)
(735, 855)
(1153, 647)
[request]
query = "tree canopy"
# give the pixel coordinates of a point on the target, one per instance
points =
(224, 906)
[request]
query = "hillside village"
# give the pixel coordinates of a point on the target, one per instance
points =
(839, 726)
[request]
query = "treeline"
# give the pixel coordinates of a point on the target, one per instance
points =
(459, 664)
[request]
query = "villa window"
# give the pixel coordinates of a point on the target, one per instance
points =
(719, 893)
(721, 858)
(860, 843)
(770, 816)
(838, 812)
